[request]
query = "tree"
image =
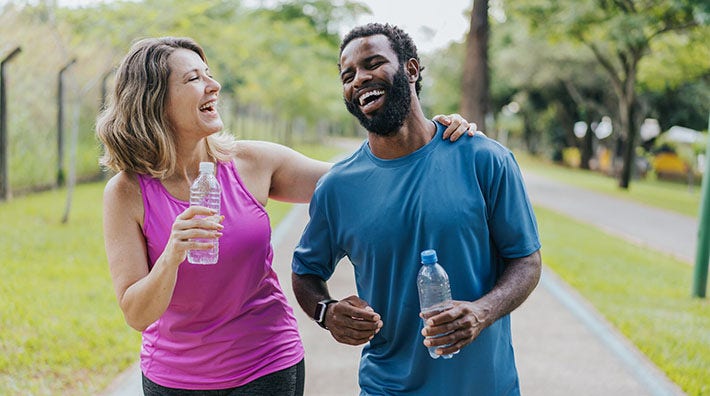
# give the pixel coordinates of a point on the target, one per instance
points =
(441, 80)
(675, 79)
(325, 16)
(619, 34)
(474, 84)
(553, 83)
(276, 65)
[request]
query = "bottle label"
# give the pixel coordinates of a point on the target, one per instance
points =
(436, 309)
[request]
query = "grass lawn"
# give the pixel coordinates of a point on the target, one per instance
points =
(644, 294)
(61, 331)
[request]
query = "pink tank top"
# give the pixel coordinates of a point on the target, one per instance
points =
(229, 323)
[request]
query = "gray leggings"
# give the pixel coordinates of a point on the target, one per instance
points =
(287, 382)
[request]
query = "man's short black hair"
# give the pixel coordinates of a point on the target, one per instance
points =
(400, 42)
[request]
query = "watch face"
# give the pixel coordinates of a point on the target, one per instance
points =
(321, 308)
(320, 312)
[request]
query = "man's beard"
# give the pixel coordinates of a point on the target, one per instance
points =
(390, 117)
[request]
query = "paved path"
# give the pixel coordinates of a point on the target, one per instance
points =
(563, 347)
(658, 229)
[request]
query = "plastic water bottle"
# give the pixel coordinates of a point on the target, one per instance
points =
(205, 191)
(434, 291)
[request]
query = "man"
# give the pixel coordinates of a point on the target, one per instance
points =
(398, 195)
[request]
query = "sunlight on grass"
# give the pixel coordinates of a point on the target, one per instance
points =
(645, 294)
(60, 328)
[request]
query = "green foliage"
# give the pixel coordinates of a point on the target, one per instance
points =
(618, 33)
(583, 60)
(675, 79)
(298, 81)
(675, 59)
(441, 80)
(644, 294)
(536, 73)
(284, 66)
(324, 16)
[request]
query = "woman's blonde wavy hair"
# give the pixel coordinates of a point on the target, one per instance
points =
(133, 127)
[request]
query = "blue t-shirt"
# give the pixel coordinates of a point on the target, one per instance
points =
(466, 200)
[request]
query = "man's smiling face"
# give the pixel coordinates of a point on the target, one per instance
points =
(376, 89)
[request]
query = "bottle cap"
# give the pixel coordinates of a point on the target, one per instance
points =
(206, 167)
(429, 256)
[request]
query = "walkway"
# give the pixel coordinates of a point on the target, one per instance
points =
(658, 229)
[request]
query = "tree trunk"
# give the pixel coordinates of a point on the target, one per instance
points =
(587, 147)
(627, 100)
(629, 130)
(474, 84)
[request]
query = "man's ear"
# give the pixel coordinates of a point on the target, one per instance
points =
(412, 69)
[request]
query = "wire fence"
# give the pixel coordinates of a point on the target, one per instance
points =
(49, 137)
(54, 83)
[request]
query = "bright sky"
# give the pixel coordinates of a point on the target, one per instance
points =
(432, 24)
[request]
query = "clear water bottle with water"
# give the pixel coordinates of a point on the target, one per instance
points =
(205, 191)
(434, 291)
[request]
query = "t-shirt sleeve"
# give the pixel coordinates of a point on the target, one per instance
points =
(511, 218)
(316, 252)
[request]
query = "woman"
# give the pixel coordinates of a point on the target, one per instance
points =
(216, 329)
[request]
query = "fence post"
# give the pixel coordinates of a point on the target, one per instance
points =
(4, 182)
(102, 107)
(104, 87)
(700, 278)
(60, 123)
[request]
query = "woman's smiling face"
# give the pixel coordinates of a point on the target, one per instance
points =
(192, 96)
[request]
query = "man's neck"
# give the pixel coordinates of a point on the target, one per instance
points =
(414, 134)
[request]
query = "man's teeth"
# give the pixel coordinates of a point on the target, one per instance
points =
(368, 94)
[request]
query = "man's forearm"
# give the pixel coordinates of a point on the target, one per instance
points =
(518, 280)
(309, 290)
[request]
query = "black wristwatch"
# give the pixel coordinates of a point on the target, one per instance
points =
(320, 312)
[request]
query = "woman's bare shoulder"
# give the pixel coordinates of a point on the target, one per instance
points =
(122, 183)
(122, 194)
